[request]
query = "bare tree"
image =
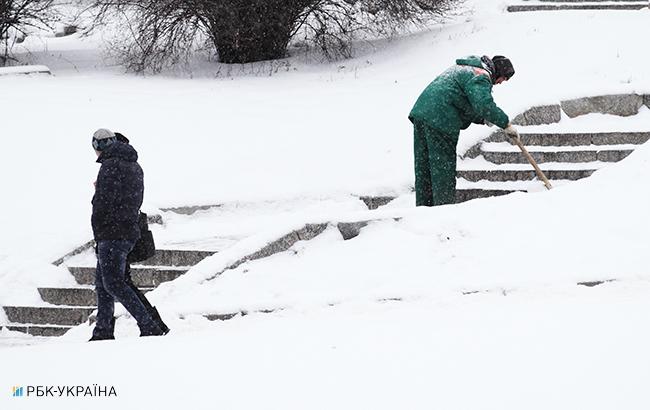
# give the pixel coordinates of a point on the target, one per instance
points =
(19, 16)
(241, 31)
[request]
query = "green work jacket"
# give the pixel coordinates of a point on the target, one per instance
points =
(458, 97)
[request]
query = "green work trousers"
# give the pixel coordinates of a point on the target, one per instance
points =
(435, 166)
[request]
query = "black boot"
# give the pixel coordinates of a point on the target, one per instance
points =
(101, 337)
(104, 334)
(152, 331)
(156, 318)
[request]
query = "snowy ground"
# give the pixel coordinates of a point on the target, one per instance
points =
(383, 320)
(562, 347)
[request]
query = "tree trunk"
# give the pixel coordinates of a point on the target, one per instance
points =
(244, 31)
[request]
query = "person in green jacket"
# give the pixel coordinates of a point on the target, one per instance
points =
(458, 97)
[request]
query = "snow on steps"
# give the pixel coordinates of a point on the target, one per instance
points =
(504, 292)
(48, 314)
(497, 164)
(24, 69)
(67, 307)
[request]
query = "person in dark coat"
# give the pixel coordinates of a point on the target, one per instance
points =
(119, 191)
(458, 97)
(127, 272)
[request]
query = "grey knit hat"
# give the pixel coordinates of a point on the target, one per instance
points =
(102, 138)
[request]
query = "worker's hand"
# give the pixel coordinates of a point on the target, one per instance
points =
(511, 132)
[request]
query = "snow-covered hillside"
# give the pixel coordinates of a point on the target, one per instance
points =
(466, 306)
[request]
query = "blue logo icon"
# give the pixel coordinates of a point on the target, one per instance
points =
(17, 391)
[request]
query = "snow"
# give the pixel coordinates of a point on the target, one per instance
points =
(559, 347)
(468, 306)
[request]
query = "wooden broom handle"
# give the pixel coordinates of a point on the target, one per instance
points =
(540, 173)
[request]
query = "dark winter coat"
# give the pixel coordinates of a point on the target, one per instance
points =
(118, 194)
(458, 97)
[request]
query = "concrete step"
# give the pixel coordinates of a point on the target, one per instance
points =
(38, 330)
(578, 139)
(48, 315)
(503, 175)
(72, 296)
(576, 6)
(141, 277)
(608, 155)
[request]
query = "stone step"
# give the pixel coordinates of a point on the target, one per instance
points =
(227, 316)
(463, 195)
(38, 330)
(48, 315)
(170, 257)
(533, 185)
(141, 277)
(223, 316)
(556, 156)
(467, 194)
(174, 257)
(72, 296)
(574, 6)
(374, 202)
(578, 139)
(522, 175)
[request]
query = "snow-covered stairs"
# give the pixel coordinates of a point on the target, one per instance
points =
(64, 308)
(553, 5)
(561, 156)
(497, 165)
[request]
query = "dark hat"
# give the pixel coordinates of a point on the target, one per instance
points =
(103, 138)
(121, 138)
(503, 67)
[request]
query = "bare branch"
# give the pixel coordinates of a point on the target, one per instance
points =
(164, 32)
